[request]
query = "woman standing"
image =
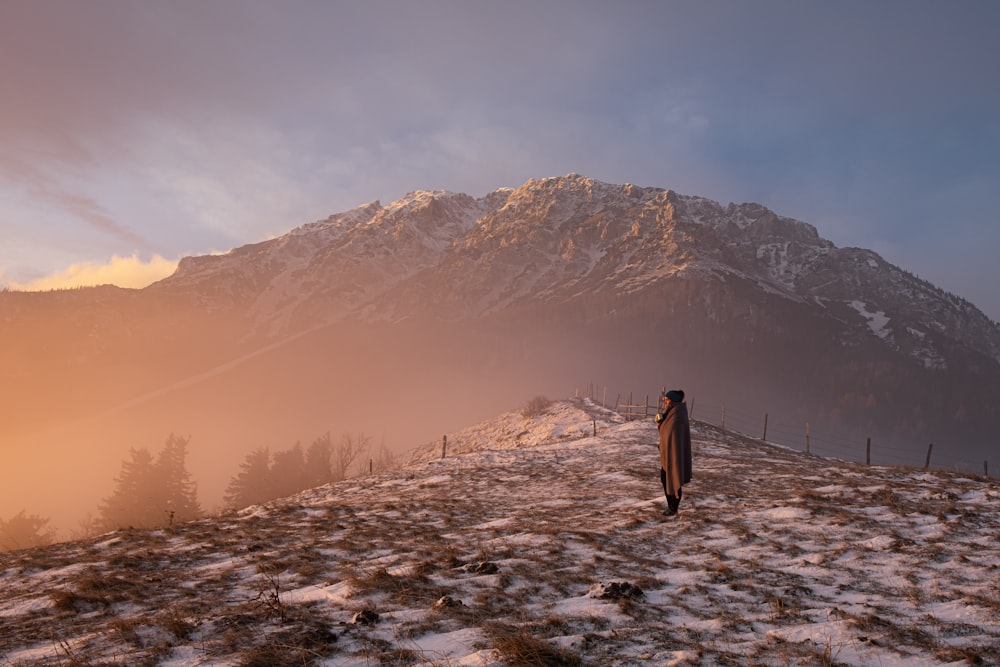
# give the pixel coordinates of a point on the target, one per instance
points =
(675, 448)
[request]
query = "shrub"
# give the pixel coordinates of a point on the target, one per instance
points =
(535, 407)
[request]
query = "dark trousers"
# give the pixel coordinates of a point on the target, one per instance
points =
(673, 502)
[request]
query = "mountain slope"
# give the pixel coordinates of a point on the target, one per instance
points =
(557, 240)
(441, 308)
(556, 553)
(563, 254)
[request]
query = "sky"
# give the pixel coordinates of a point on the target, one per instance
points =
(133, 133)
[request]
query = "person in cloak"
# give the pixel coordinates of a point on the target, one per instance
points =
(675, 448)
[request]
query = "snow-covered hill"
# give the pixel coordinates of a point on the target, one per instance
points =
(537, 542)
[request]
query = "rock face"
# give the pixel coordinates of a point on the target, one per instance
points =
(574, 242)
(536, 289)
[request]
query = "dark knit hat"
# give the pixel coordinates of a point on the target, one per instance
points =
(675, 395)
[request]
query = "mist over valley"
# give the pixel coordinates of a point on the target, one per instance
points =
(409, 320)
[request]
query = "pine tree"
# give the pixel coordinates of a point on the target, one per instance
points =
(152, 493)
(251, 485)
(178, 494)
(319, 458)
(134, 501)
(288, 472)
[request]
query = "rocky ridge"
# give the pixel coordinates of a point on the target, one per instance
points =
(555, 240)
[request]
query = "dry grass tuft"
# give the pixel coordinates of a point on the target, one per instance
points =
(519, 647)
(276, 655)
(413, 587)
(177, 626)
(94, 591)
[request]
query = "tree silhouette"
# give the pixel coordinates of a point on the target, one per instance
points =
(264, 477)
(288, 472)
(251, 485)
(384, 459)
(347, 452)
(177, 492)
(133, 501)
(23, 531)
(150, 493)
(319, 458)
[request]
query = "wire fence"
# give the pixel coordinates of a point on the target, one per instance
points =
(798, 436)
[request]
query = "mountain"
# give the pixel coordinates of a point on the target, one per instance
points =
(538, 541)
(405, 320)
(564, 240)
(735, 295)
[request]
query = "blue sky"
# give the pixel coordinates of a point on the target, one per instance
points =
(134, 133)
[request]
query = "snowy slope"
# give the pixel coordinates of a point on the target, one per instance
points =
(541, 544)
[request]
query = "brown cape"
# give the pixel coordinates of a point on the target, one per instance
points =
(675, 447)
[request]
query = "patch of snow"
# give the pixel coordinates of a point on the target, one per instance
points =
(878, 321)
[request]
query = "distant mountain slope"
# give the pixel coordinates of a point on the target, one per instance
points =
(643, 286)
(562, 240)
(442, 307)
(559, 552)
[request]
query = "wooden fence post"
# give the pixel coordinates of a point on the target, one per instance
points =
(868, 451)
(595, 428)
(691, 411)
(371, 464)
(444, 446)
(723, 416)
(765, 427)
(807, 437)
(927, 464)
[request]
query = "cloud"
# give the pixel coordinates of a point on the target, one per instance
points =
(121, 271)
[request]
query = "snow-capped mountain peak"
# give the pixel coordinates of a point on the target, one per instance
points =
(556, 240)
